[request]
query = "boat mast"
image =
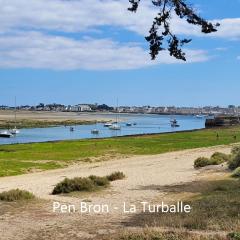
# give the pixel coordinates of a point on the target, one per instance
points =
(15, 116)
(117, 112)
(238, 114)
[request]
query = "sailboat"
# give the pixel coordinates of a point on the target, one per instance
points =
(5, 134)
(200, 116)
(174, 123)
(115, 125)
(15, 131)
(95, 130)
(108, 124)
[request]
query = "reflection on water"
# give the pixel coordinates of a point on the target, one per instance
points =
(145, 123)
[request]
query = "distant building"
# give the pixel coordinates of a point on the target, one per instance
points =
(2, 107)
(80, 108)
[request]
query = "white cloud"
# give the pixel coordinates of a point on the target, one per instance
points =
(25, 43)
(83, 15)
(221, 49)
(73, 15)
(37, 50)
(229, 28)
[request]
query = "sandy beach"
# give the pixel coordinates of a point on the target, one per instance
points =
(53, 116)
(163, 169)
(144, 177)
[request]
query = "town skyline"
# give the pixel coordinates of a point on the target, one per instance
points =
(84, 107)
(114, 106)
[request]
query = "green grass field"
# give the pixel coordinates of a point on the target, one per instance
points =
(22, 158)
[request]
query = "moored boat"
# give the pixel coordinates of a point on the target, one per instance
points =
(5, 134)
(174, 123)
(14, 131)
(95, 131)
(107, 124)
(115, 127)
(200, 116)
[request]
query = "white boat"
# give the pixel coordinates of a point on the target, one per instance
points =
(128, 124)
(95, 131)
(107, 124)
(5, 134)
(200, 116)
(115, 127)
(15, 131)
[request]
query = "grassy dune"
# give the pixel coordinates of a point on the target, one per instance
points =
(214, 216)
(215, 207)
(20, 158)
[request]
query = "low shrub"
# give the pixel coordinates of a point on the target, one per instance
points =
(116, 176)
(235, 150)
(16, 195)
(99, 181)
(201, 162)
(236, 173)
(219, 158)
(234, 236)
(216, 159)
(88, 184)
(72, 185)
(235, 161)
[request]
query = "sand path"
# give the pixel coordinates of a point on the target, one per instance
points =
(145, 176)
(141, 171)
(6, 115)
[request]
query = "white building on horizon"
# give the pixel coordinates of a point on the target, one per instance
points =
(80, 108)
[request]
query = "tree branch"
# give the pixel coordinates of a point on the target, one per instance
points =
(174, 44)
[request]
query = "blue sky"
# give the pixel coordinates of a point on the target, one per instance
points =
(88, 51)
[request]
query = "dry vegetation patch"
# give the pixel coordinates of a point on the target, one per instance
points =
(16, 195)
(217, 158)
(215, 207)
(88, 184)
(148, 234)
